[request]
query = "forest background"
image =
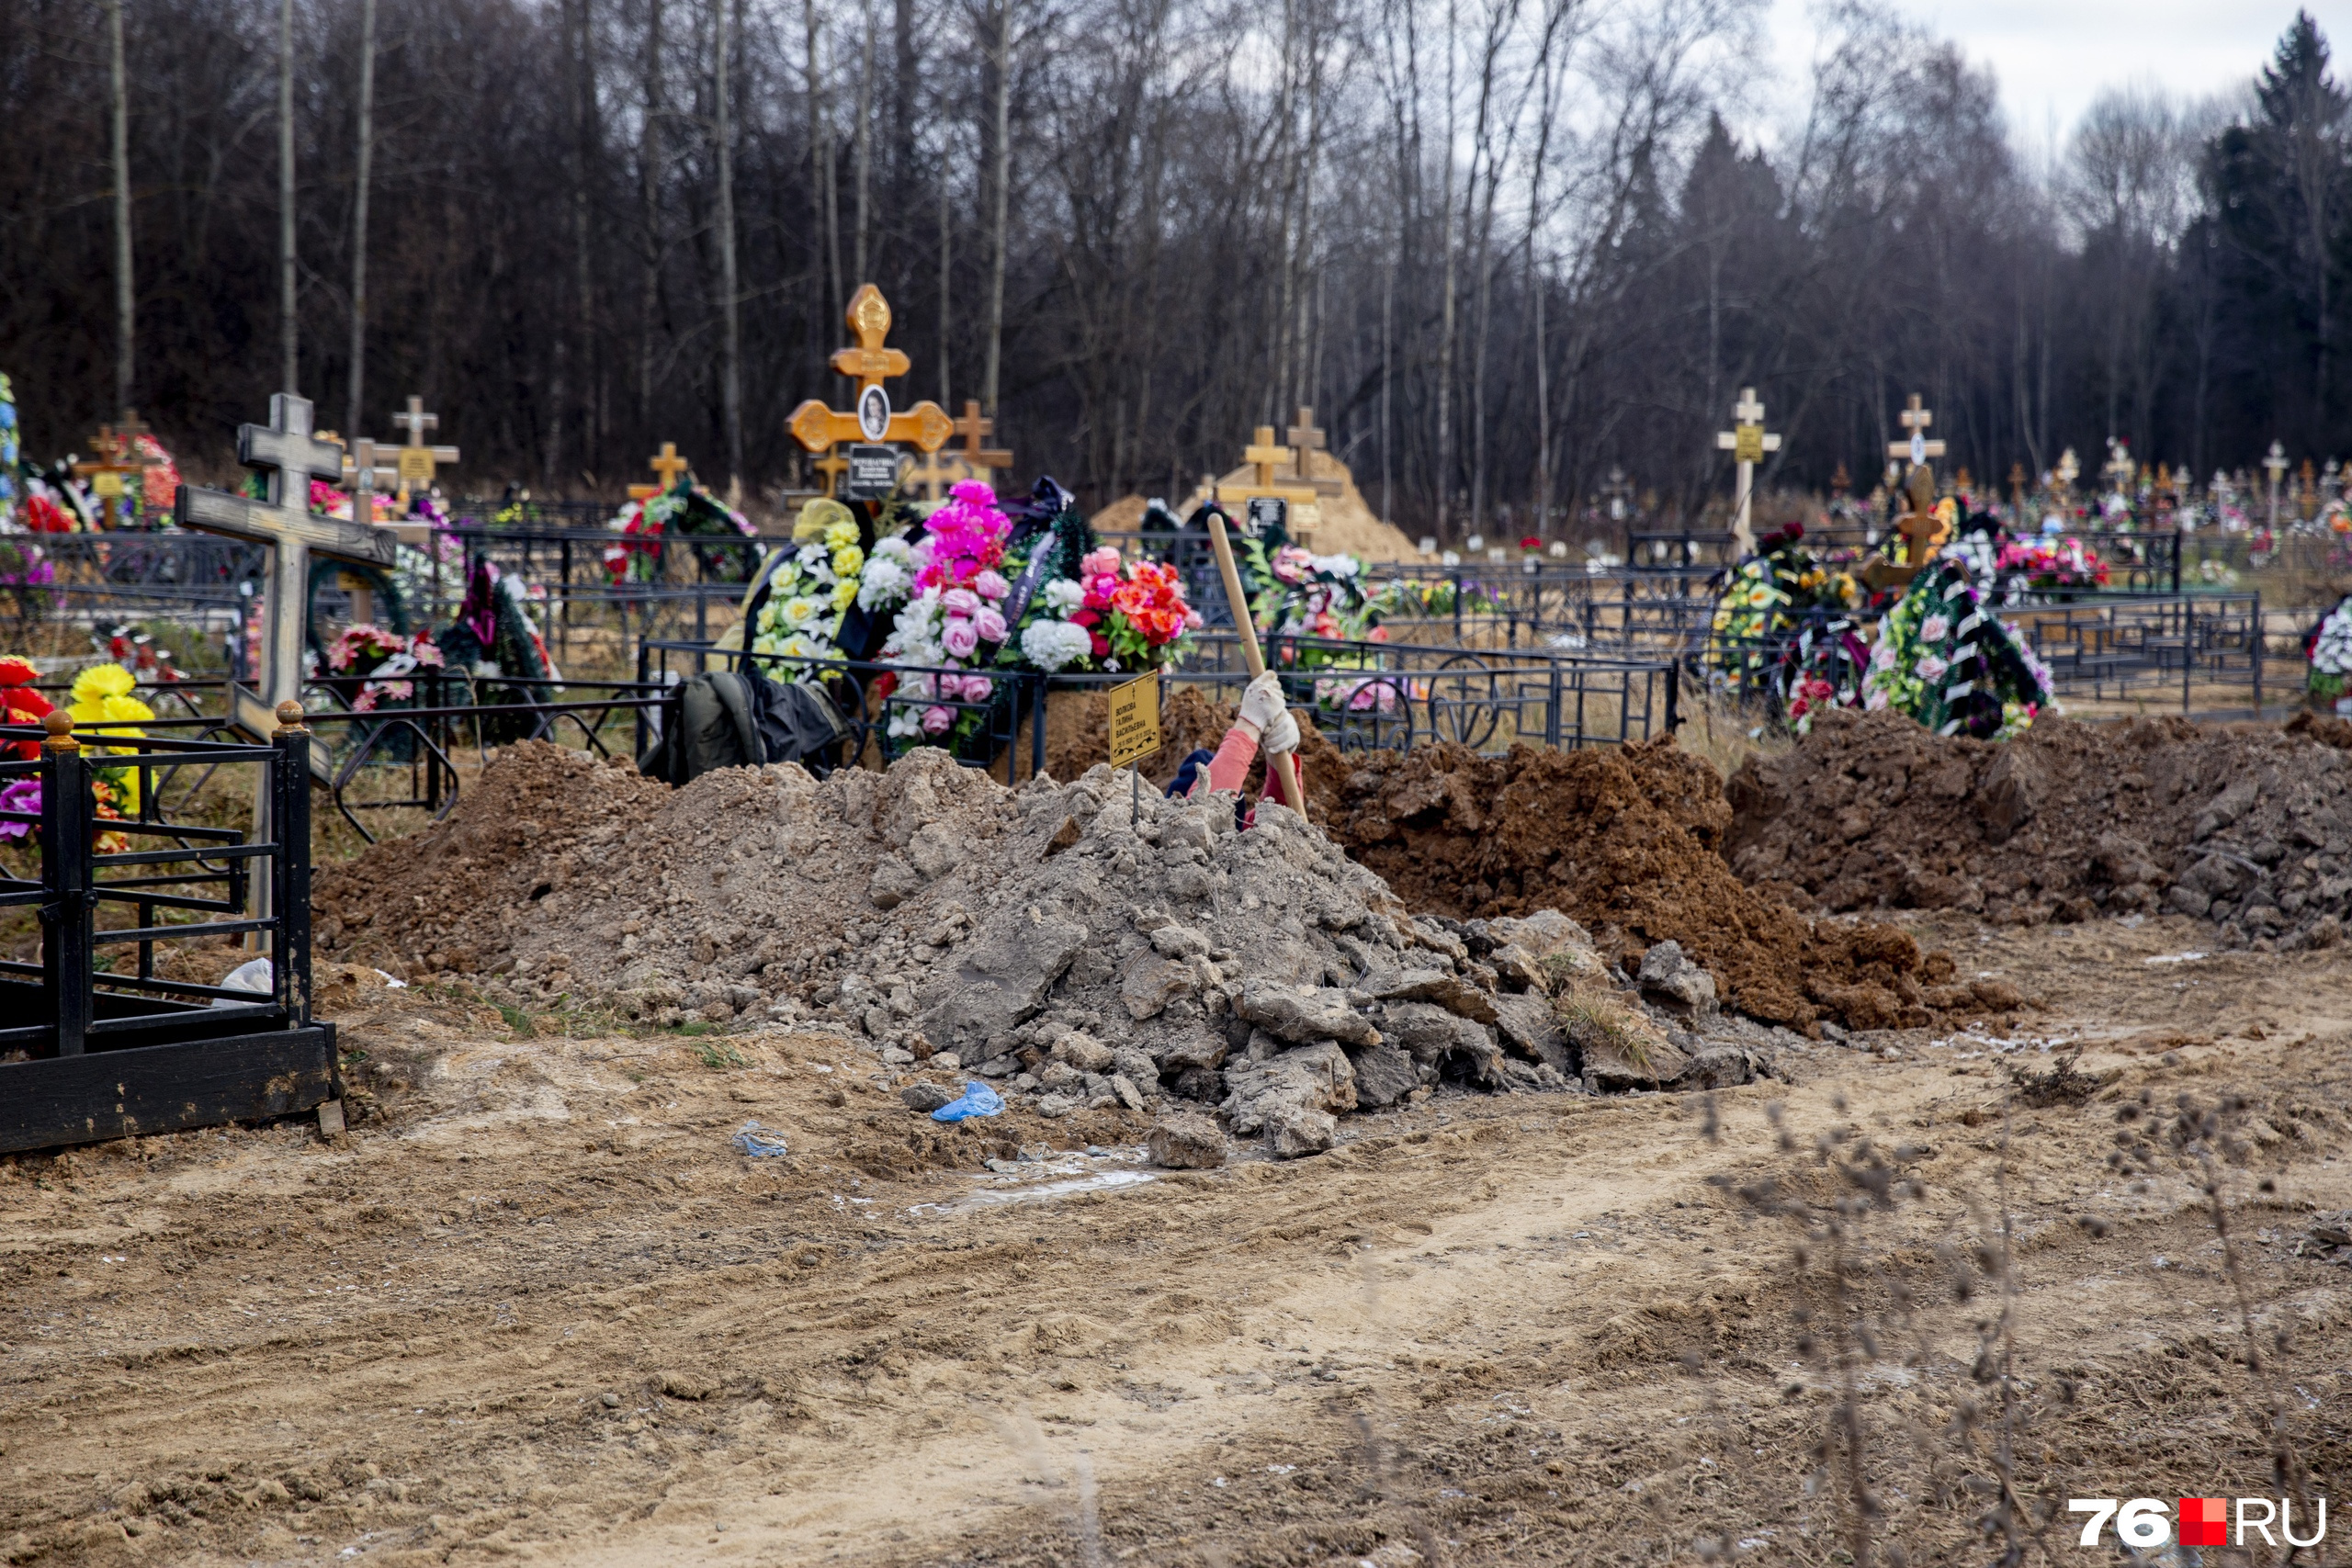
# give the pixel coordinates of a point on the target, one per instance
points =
(1503, 247)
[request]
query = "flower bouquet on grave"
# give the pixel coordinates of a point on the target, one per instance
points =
(1946, 659)
(2047, 564)
(374, 669)
(2328, 646)
(22, 706)
(103, 705)
(685, 509)
(827, 594)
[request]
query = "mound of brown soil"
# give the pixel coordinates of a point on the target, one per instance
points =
(2243, 825)
(1627, 842)
(455, 896)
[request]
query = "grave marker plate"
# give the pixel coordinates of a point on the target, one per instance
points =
(873, 473)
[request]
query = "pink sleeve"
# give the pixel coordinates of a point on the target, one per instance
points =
(1230, 767)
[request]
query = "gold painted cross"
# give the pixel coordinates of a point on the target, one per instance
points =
(832, 468)
(982, 460)
(1918, 449)
(925, 427)
(2017, 484)
(418, 461)
(1262, 455)
(669, 466)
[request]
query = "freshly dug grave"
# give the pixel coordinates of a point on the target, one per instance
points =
(1629, 842)
(2245, 826)
(1041, 937)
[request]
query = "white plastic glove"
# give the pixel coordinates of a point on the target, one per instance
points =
(1281, 737)
(1262, 701)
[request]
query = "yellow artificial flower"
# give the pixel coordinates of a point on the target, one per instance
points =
(797, 612)
(845, 593)
(103, 681)
(840, 532)
(848, 561)
(817, 515)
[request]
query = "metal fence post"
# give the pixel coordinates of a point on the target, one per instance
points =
(290, 958)
(65, 869)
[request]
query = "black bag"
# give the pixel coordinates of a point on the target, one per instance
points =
(723, 719)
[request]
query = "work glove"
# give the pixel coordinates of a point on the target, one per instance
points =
(1261, 703)
(1280, 737)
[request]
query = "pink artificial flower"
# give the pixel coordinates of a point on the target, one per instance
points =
(960, 638)
(1191, 619)
(978, 688)
(992, 585)
(972, 492)
(1100, 562)
(959, 601)
(936, 720)
(989, 623)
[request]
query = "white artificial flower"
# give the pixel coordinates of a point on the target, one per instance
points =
(1053, 645)
(1063, 595)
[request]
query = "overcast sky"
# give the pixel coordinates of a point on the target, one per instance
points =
(2053, 56)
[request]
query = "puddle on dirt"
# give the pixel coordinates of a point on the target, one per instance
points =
(1036, 1181)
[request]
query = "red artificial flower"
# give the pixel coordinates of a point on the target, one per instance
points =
(885, 684)
(43, 517)
(1531, 542)
(1101, 644)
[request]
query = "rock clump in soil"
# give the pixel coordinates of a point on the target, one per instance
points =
(1037, 938)
(1628, 841)
(2245, 826)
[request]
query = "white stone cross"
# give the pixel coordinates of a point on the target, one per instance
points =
(2119, 467)
(2277, 463)
(1748, 441)
(1917, 448)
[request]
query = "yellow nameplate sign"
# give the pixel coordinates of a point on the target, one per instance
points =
(1748, 443)
(1135, 720)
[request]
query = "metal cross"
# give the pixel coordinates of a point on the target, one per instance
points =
(1748, 442)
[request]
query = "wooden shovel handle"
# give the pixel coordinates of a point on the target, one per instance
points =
(1286, 776)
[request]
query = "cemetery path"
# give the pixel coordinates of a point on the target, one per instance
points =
(537, 1308)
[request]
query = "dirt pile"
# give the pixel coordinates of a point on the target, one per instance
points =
(1628, 841)
(536, 827)
(2244, 826)
(1044, 938)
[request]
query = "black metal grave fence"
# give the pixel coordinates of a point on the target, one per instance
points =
(92, 1048)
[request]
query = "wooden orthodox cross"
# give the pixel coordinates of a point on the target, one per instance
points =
(2277, 463)
(1748, 442)
(1263, 456)
(925, 427)
(2016, 487)
(982, 460)
(2118, 470)
(2306, 493)
(667, 465)
(1303, 437)
(417, 460)
(117, 457)
(362, 476)
(282, 521)
(935, 475)
(1917, 449)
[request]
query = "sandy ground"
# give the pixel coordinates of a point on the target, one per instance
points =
(535, 1306)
